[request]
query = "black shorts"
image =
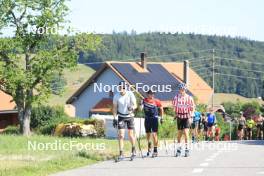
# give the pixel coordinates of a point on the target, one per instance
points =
(249, 129)
(196, 124)
(151, 125)
(183, 123)
(240, 127)
(209, 125)
(126, 121)
(259, 126)
(204, 126)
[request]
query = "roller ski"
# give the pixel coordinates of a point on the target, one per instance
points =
(149, 150)
(154, 155)
(119, 158)
(132, 157)
(178, 152)
(155, 152)
(187, 153)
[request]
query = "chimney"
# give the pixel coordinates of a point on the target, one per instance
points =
(143, 60)
(186, 72)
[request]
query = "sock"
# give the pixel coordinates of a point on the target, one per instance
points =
(149, 146)
(179, 148)
(186, 146)
(133, 149)
(156, 149)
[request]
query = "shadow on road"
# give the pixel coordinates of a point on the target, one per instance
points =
(251, 142)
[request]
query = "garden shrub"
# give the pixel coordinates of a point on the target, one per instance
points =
(13, 130)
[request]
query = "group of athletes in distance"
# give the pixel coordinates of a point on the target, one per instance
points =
(124, 104)
(246, 126)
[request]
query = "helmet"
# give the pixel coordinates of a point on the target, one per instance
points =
(182, 86)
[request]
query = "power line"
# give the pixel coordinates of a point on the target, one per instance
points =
(194, 58)
(200, 60)
(235, 52)
(237, 76)
(201, 65)
(180, 53)
(240, 69)
(102, 62)
(203, 68)
(256, 63)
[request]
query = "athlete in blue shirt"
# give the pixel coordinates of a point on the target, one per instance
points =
(196, 125)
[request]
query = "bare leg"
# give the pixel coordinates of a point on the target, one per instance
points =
(186, 136)
(155, 139)
(131, 137)
(179, 136)
(121, 136)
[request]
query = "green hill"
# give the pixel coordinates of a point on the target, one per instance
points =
(220, 98)
(74, 79)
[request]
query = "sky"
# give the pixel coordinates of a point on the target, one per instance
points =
(242, 18)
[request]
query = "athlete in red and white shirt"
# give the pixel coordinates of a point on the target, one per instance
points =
(183, 105)
(184, 108)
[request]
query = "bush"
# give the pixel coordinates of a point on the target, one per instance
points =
(251, 109)
(168, 128)
(45, 118)
(233, 109)
(48, 129)
(98, 124)
(169, 111)
(12, 130)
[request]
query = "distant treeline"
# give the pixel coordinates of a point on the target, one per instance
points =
(196, 48)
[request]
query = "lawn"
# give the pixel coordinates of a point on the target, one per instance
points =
(26, 155)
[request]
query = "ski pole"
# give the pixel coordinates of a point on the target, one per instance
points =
(174, 138)
(119, 147)
(165, 143)
(138, 139)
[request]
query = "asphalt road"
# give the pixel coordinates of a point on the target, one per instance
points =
(213, 159)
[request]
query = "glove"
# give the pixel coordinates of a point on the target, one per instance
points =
(161, 121)
(114, 123)
(130, 108)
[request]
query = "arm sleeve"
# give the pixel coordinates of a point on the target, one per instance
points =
(115, 100)
(133, 100)
(158, 103)
(174, 101)
(142, 104)
(192, 104)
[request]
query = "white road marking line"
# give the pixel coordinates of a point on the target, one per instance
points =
(260, 173)
(197, 170)
(204, 164)
(209, 159)
(212, 157)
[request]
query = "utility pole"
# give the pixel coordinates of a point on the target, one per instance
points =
(213, 76)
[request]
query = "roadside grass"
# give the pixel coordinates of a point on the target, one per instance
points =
(18, 157)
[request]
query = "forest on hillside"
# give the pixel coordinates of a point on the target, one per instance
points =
(238, 62)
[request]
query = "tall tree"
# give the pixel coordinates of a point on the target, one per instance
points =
(36, 52)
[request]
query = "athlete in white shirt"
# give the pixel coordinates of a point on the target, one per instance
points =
(124, 104)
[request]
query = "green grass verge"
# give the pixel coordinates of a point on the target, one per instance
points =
(19, 158)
